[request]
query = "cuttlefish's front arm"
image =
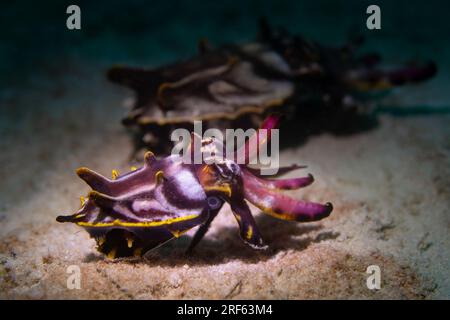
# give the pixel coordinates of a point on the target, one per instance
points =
(234, 183)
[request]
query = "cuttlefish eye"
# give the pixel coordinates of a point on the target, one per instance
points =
(234, 168)
(214, 202)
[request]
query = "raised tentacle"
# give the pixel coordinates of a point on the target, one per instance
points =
(250, 149)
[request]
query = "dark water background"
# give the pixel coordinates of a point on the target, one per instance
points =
(34, 36)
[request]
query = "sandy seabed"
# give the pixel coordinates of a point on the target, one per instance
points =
(390, 188)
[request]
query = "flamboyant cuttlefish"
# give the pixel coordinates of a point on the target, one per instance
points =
(237, 85)
(142, 209)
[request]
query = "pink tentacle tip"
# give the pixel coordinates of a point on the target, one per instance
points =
(271, 122)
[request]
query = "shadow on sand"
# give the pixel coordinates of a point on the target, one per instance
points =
(227, 246)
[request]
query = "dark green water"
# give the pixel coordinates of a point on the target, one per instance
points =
(34, 36)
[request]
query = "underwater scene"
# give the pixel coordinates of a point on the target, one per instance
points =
(259, 150)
